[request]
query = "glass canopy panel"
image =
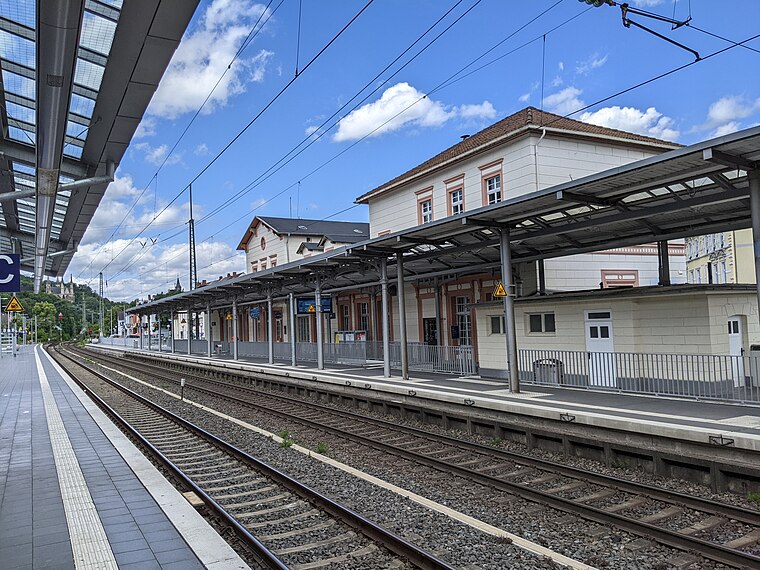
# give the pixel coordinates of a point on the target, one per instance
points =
(114, 3)
(20, 113)
(18, 84)
(88, 74)
(73, 151)
(97, 33)
(82, 105)
(21, 135)
(17, 49)
(21, 11)
(75, 130)
(25, 168)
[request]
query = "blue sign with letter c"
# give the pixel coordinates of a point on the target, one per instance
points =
(10, 275)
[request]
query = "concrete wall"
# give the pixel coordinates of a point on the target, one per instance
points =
(694, 323)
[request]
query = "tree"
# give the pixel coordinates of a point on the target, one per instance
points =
(46, 314)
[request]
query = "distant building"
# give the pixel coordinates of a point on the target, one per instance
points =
(271, 241)
(725, 257)
(61, 289)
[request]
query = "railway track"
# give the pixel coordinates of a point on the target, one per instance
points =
(283, 523)
(717, 531)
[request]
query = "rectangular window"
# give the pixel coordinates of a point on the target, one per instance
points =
(426, 211)
(254, 266)
(273, 261)
(541, 323)
(497, 324)
(304, 328)
(493, 189)
(263, 264)
(456, 201)
(620, 278)
(464, 321)
(346, 318)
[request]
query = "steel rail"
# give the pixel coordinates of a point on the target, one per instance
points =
(396, 544)
(261, 553)
(713, 551)
(738, 513)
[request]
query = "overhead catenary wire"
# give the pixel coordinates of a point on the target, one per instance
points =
(249, 124)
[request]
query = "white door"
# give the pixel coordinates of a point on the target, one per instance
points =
(736, 349)
(600, 348)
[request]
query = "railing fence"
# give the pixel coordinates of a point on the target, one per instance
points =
(702, 376)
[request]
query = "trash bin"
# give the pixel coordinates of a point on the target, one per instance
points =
(754, 364)
(136, 344)
(548, 371)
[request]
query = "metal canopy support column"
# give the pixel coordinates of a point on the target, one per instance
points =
(509, 309)
(189, 331)
(318, 316)
(402, 316)
(208, 330)
(664, 262)
(171, 329)
(438, 331)
(386, 325)
(541, 277)
(150, 347)
(139, 329)
(270, 330)
(754, 199)
(292, 327)
(372, 332)
(234, 330)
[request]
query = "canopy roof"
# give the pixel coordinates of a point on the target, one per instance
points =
(77, 77)
(694, 190)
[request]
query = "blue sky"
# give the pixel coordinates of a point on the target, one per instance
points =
(589, 57)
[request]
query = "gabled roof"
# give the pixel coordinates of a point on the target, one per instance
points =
(518, 124)
(310, 246)
(340, 232)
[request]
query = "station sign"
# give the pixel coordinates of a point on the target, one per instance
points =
(10, 272)
(255, 312)
(307, 305)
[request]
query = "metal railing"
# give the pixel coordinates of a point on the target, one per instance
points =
(700, 376)
(423, 357)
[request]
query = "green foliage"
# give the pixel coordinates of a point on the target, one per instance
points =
(322, 448)
(754, 497)
(287, 440)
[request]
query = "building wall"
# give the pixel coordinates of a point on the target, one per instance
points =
(694, 323)
(744, 259)
(283, 249)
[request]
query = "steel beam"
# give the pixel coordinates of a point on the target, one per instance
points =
(171, 329)
(234, 329)
(270, 330)
(209, 340)
(402, 316)
(509, 310)
(292, 325)
(754, 195)
(385, 317)
(318, 316)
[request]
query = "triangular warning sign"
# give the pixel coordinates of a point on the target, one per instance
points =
(311, 309)
(500, 291)
(14, 306)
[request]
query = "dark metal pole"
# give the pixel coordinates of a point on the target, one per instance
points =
(189, 331)
(270, 330)
(438, 323)
(386, 324)
(171, 329)
(754, 200)
(318, 316)
(292, 325)
(208, 329)
(402, 316)
(541, 277)
(509, 310)
(234, 330)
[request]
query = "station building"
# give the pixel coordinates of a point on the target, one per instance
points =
(561, 186)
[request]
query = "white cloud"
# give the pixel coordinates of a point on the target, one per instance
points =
(564, 102)
(557, 81)
(483, 111)
(647, 3)
(146, 128)
(586, 66)
(727, 129)
(650, 122)
(201, 149)
(561, 65)
(311, 129)
(524, 98)
(204, 54)
(157, 154)
(402, 105)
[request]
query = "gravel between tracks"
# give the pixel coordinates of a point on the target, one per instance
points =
(462, 546)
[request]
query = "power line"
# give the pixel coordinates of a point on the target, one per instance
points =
(252, 121)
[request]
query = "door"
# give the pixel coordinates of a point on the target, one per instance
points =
(429, 330)
(736, 349)
(600, 348)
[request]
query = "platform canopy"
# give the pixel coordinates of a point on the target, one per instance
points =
(694, 190)
(77, 76)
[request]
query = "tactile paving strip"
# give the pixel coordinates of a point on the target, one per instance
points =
(88, 538)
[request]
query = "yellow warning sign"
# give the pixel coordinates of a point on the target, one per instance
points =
(14, 306)
(311, 309)
(500, 291)
(229, 316)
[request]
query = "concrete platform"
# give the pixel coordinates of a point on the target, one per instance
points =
(75, 492)
(703, 422)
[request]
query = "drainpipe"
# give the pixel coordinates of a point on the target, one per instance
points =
(535, 154)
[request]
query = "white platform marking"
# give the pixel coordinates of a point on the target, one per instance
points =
(210, 548)
(89, 542)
